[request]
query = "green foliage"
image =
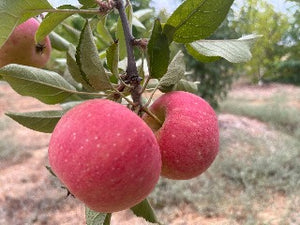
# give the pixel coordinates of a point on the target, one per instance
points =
(145, 210)
(44, 121)
(96, 218)
(286, 72)
(87, 57)
(196, 19)
(235, 51)
(51, 21)
(58, 42)
(258, 16)
(174, 74)
(49, 87)
(158, 51)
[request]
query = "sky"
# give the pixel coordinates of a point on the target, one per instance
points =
(170, 5)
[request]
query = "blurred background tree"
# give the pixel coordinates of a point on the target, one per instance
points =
(258, 16)
(288, 70)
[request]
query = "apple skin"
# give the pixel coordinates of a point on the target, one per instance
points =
(106, 155)
(189, 136)
(20, 47)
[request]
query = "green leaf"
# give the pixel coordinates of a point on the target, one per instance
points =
(43, 121)
(201, 58)
(74, 69)
(73, 33)
(88, 3)
(120, 33)
(137, 23)
(196, 19)
(47, 86)
(14, 12)
(175, 72)
(58, 42)
(96, 218)
(143, 14)
(185, 85)
(104, 33)
(144, 210)
(51, 21)
(158, 51)
(87, 57)
(112, 56)
(235, 51)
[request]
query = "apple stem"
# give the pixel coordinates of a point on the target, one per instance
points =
(132, 75)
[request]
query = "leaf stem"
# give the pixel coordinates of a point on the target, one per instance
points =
(70, 11)
(151, 96)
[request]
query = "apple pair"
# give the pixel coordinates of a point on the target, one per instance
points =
(110, 159)
(21, 48)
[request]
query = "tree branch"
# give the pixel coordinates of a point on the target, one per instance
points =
(132, 75)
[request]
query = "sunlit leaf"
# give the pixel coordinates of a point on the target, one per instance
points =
(196, 19)
(43, 121)
(235, 51)
(47, 86)
(51, 21)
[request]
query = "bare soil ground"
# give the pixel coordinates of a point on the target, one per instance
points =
(29, 195)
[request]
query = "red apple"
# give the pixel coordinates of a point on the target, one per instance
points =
(105, 155)
(189, 136)
(20, 48)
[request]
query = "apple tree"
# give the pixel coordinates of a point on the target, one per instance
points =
(109, 143)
